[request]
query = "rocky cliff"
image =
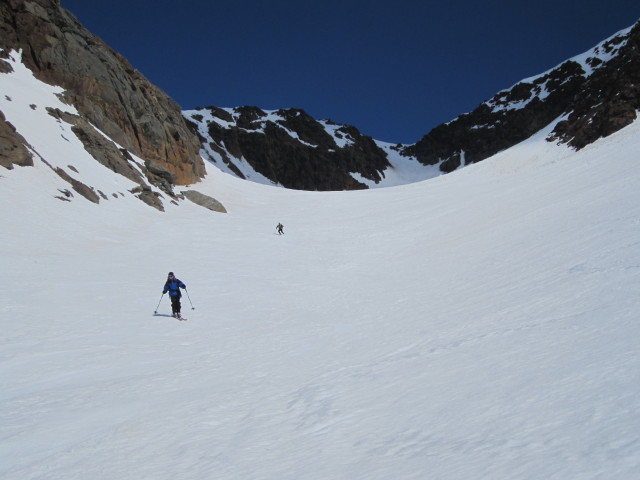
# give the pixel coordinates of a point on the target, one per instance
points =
(594, 94)
(289, 147)
(106, 90)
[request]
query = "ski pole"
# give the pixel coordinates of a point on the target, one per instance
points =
(156, 310)
(192, 307)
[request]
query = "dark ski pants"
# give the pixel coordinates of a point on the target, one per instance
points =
(175, 303)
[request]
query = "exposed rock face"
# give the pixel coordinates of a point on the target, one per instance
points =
(86, 191)
(598, 95)
(289, 147)
(101, 84)
(99, 147)
(12, 146)
(609, 100)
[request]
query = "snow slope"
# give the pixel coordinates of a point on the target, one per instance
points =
(478, 325)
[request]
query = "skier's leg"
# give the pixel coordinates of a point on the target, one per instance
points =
(175, 305)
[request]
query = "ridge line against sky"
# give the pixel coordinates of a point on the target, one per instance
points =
(394, 70)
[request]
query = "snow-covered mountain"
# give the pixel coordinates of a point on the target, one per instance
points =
(595, 94)
(291, 149)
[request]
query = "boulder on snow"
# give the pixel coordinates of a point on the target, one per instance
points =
(204, 201)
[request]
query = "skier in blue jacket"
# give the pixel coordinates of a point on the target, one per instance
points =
(173, 286)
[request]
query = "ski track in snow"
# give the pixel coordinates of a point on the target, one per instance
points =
(478, 325)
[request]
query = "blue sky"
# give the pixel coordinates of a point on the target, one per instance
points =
(395, 70)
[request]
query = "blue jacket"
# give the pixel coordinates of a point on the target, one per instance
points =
(173, 287)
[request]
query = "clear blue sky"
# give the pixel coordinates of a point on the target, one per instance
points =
(394, 69)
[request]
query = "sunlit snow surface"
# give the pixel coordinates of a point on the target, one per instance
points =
(478, 325)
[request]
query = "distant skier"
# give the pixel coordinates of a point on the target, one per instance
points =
(280, 228)
(173, 286)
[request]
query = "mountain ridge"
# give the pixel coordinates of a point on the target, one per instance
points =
(133, 128)
(288, 147)
(580, 89)
(593, 94)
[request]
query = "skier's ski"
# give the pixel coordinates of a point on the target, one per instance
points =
(182, 319)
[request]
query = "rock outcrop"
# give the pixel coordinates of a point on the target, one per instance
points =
(597, 94)
(13, 150)
(101, 84)
(289, 147)
(610, 98)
